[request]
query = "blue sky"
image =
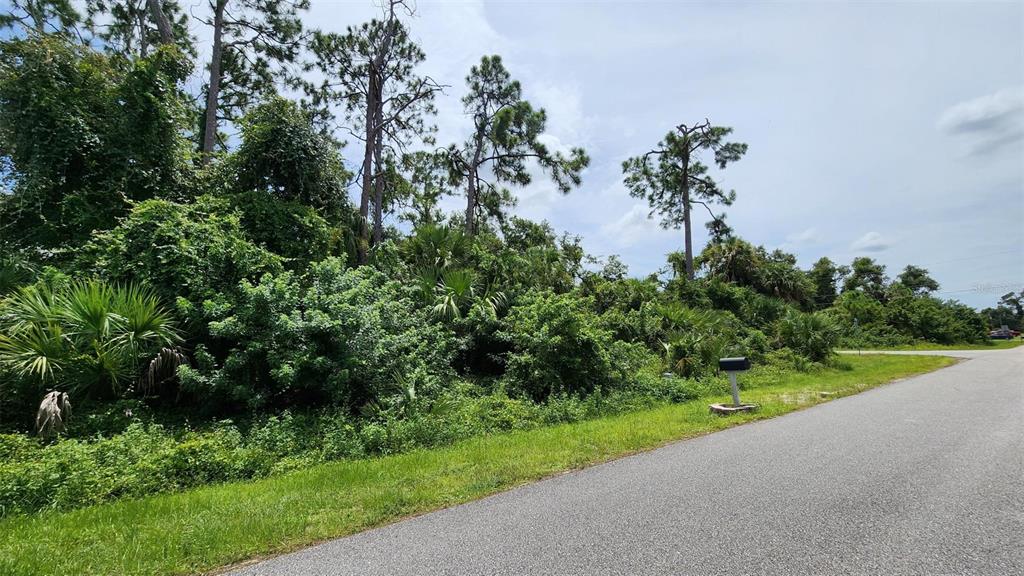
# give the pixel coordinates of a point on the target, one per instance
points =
(892, 130)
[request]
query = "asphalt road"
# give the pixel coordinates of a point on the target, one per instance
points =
(924, 476)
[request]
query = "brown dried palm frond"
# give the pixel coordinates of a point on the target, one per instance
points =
(162, 367)
(54, 413)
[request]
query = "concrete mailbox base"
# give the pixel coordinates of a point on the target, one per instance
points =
(726, 409)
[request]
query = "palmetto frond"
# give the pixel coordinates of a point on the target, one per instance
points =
(30, 306)
(143, 319)
(435, 246)
(93, 332)
(36, 350)
(425, 283)
(454, 292)
(88, 311)
(13, 273)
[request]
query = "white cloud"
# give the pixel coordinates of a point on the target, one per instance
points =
(810, 235)
(564, 108)
(618, 96)
(631, 227)
(871, 242)
(802, 239)
(992, 121)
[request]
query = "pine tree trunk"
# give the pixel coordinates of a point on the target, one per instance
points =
(367, 190)
(378, 184)
(473, 189)
(143, 45)
(156, 11)
(213, 90)
(687, 227)
(471, 192)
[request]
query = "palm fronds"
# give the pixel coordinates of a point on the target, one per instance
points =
(95, 333)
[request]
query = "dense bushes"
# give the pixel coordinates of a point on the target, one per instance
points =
(86, 338)
(336, 336)
(813, 336)
(557, 347)
(86, 137)
(904, 318)
(195, 251)
(150, 458)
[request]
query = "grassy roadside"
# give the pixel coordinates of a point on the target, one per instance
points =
(993, 345)
(213, 526)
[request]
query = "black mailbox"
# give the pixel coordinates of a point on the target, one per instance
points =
(733, 364)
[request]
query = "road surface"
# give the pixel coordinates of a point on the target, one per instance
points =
(925, 476)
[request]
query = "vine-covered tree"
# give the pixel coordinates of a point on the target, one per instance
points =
(678, 179)
(371, 71)
(283, 155)
(85, 137)
(254, 42)
(506, 135)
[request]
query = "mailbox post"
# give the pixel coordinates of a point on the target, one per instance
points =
(732, 367)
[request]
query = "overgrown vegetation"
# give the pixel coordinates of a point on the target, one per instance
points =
(216, 308)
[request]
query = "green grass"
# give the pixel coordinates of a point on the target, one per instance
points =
(214, 526)
(991, 345)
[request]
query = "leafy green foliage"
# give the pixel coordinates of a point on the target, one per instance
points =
(468, 324)
(1009, 312)
(259, 41)
(773, 274)
(334, 336)
(813, 335)
(85, 138)
(506, 135)
(679, 179)
(695, 339)
(917, 280)
(281, 154)
(196, 251)
(557, 346)
(825, 275)
(126, 28)
(866, 276)
(41, 17)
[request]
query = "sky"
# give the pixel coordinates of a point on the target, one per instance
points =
(891, 130)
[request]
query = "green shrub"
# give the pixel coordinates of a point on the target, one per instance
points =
(696, 339)
(755, 345)
(557, 346)
(812, 335)
(196, 251)
(290, 229)
(335, 336)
